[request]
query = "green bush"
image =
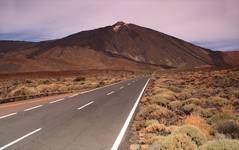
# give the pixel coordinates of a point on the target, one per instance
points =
(229, 128)
(196, 135)
(224, 144)
(174, 105)
(177, 142)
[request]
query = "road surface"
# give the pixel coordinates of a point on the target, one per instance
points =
(91, 120)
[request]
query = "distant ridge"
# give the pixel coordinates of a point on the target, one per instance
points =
(120, 46)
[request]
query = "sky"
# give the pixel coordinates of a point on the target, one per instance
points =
(212, 24)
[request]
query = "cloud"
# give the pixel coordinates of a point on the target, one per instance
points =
(225, 45)
(191, 20)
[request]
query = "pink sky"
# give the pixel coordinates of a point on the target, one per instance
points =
(210, 23)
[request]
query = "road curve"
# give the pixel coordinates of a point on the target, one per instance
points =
(91, 120)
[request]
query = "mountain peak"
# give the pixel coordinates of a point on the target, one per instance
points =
(118, 25)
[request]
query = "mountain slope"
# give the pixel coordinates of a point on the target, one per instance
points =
(120, 46)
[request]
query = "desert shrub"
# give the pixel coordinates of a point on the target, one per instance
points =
(229, 127)
(78, 79)
(156, 112)
(235, 103)
(144, 146)
(222, 117)
(174, 105)
(174, 89)
(165, 93)
(176, 142)
(196, 135)
(23, 91)
(206, 112)
(184, 95)
(200, 123)
(172, 128)
(28, 81)
(138, 125)
(224, 144)
(153, 138)
(134, 147)
(16, 82)
(51, 88)
(151, 122)
(163, 114)
(228, 109)
(157, 128)
(158, 90)
(216, 101)
(160, 100)
(101, 83)
(236, 93)
(46, 81)
(195, 101)
(146, 111)
(190, 108)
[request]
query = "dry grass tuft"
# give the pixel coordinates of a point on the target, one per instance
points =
(200, 123)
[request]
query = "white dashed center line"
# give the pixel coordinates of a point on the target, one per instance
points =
(72, 95)
(19, 139)
(121, 87)
(85, 105)
(110, 93)
(129, 83)
(5, 116)
(33, 108)
(56, 101)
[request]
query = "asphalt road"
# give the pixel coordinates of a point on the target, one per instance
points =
(92, 120)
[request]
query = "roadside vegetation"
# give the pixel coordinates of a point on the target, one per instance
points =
(21, 89)
(190, 110)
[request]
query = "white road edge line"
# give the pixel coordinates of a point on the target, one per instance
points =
(85, 105)
(56, 101)
(121, 87)
(126, 124)
(110, 93)
(5, 116)
(33, 108)
(19, 139)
